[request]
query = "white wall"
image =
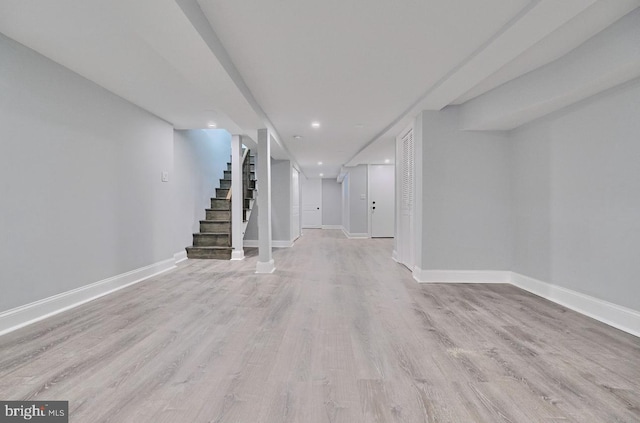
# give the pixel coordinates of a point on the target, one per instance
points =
(82, 197)
(576, 196)
(200, 159)
(331, 203)
(466, 204)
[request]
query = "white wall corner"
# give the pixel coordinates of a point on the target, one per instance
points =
(19, 317)
(265, 267)
(180, 256)
(394, 256)
(461, 276)
(619, 317)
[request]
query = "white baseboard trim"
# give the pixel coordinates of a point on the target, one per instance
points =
(623, 318)
(461, 276)
(254, 243)
(354, 235)
(237, 255)
(394, 256)
(265, 267)
(180, 256)
(358, 236)
(27, 314)
(331, 226)
(619, 317)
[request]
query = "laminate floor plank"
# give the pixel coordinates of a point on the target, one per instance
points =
(339, 333)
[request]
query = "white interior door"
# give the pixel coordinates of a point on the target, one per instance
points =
(382, 200)
(405, 198)
(312, 203)
(295, 204)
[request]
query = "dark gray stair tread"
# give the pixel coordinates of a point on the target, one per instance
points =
(209, 253)
(211, 233)
(215, 221)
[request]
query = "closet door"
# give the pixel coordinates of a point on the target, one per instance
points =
(405, 151)
(295, 204)
(382, 200)
(311, 203)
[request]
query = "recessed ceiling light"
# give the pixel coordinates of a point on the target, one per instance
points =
(387, 160)
(315, 125)
(319, 163)
(297, 137)
(321, 175)
(212, 125)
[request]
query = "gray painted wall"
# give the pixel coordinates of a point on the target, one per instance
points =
(280, 204)
(576, 191)
(358, 209)
(200, 159)
(281, 200)
(466, 204)
(82, 197)
(331, 202)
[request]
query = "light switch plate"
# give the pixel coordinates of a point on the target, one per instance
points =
(363, 196)
(165, 176)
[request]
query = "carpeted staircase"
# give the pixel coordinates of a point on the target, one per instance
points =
(214, 239)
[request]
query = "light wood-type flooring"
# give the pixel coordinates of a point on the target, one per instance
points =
(339, 333)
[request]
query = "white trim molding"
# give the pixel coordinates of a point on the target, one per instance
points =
(19, 317)
(265, 267)
(394, 256)
(180, 256)
(461, 276)
(354, 235)
(253, 243)
(237, 255)
(331, 226)
(619, 317)
(623, 318)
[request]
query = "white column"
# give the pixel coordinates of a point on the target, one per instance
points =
(265, 260)
(237, 199)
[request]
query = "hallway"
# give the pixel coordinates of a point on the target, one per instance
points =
(339, 333)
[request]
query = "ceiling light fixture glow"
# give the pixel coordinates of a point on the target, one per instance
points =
(212, 125)
(387, 161)
(315, 125)
(319, 163)
(321, 175)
